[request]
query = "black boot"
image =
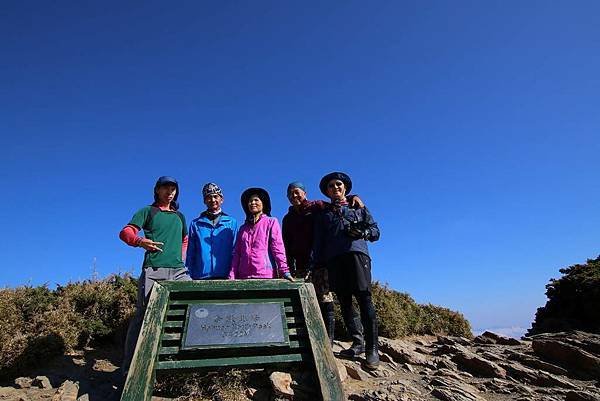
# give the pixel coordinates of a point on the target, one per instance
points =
(329, 319)
(354, 328)
(371, 333)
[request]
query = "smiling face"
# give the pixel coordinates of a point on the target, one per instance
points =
(336, 189)
(166, 193)
(297, 196)
(213, 202)
(255, 205)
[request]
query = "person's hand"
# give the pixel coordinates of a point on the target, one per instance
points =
(288, 277)
(356, 233)
(150, 245)
(308, 276)
(357, 203)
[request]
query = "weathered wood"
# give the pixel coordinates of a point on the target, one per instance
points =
(327, 372)
(159, 348)
(238, 362)
(140, 379)
(232, 285)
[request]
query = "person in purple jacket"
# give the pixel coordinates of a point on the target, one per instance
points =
(259, 251)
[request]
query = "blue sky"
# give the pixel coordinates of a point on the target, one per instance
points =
(470, 129)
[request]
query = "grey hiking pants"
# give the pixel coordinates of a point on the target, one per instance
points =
(149, 276)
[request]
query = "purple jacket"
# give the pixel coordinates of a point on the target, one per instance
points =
(257, 248)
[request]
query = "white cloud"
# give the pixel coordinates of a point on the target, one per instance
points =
(514, 331)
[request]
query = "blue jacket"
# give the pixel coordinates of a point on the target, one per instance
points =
(210, 247)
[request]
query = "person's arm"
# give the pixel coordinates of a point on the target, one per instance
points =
(235, 259)
(286, 234)
(278, 250)
(372, 233)
(355, 202)
(190, 256)
(129, 235)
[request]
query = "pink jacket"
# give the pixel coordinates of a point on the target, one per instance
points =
(251, 250)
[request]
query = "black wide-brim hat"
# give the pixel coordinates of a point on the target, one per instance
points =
(262, 194)
(336, 175)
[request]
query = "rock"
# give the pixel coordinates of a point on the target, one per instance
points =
(447, 373)
(250, 392)
(102, 365)
(477, 365)
(583, 363)
(483, 340)
(520, 372)
(66, 392)
(535, 363)
(354, 371)
(546, 379)
(8, 392)
(84, 397)
(401, 352)
(23, 382)
(580, 396)
(383, 357)
(341, 370)
(282, 384)
(502, 340)
(450, 340)
(41, 382)
(449, 389)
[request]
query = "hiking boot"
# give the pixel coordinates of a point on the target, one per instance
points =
(355, 350)
(372, 358)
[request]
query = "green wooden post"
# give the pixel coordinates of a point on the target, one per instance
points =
(327, 372)
(140, 379)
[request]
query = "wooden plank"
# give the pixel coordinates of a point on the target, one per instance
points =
(171, 336)
(176, 312)
(231, 285)
(174, 324)
(327, 372)
(295, 344)
(236, 361)
(188, 302)
(140, 380)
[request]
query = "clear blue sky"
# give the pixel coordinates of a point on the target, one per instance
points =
(471, 129)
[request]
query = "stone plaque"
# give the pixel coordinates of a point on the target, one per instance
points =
(224, 324)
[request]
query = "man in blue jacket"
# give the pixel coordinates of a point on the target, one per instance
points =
(211, 238)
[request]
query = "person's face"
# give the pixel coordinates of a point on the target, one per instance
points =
(336, 189)
(166, 193)
(213, 202)
(297, 196)
(255, 205)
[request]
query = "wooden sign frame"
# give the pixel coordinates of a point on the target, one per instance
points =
(159, 346)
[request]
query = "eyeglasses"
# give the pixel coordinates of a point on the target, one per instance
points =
(335, 184)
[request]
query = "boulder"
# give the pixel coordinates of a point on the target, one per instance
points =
(23, 382)
(282, 384)
(448, 389)
(41, 382)
(402, 352)
(536, 363)
(499, 339)
(581, 362)
(66, 392)
(477, 365)
(580, 396)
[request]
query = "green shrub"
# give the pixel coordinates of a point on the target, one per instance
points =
(573, 301)
(38, 323)
(398, 315)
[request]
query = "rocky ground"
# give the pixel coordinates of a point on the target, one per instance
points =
(561, 366)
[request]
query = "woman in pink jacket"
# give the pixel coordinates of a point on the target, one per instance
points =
(259, 250)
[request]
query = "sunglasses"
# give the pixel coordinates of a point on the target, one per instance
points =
(335, 184)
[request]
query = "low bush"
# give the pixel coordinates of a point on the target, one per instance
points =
(37, 323)
(398, 315)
